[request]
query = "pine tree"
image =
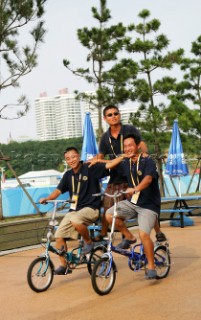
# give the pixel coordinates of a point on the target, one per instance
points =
(17, 59)
(150, 50)
(108, 77)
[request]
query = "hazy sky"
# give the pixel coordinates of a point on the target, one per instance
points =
(180, 22)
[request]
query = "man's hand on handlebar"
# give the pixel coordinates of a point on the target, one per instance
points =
(43, 200)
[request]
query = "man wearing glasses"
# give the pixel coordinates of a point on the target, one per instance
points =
(111, 145)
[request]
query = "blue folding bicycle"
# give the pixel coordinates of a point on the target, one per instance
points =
(40, 273)
(103, 275)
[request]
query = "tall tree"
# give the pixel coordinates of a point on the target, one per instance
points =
(108, 77)
(16, 58)
(189, 90)
(150, 50)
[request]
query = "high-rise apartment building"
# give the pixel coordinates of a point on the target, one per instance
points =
(58, 117)
(68, 116)
(45, 118)
(62, 116)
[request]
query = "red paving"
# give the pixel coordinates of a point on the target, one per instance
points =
(72, 297)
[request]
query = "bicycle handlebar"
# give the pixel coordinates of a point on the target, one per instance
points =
(115, 195)
(56, 201)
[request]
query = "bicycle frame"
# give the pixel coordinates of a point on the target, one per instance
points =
(103, 276)
(138, 258)
(70, 256)
(41, 271)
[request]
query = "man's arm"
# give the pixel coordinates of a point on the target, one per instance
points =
(113, 163)
(146, 181)
(99, 158)
(52, 196)
(143, 147)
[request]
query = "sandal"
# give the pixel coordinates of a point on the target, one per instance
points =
(60, 271)
(150, 274)
(161, 237)
(125, 244)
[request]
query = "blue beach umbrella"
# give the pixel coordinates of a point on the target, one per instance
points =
(176, 164)
(89, 146)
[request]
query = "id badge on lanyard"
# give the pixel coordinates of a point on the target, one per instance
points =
(136, 195)
(75, 196)
(73, 206)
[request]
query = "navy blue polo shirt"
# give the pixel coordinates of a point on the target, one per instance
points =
(106, 149)
(89, 184)
(150, 197)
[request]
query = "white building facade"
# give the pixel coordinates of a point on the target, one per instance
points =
(58, 117)
(62, 116)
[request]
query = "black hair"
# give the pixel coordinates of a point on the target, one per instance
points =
(71, 149)
(135, 137)
(111, 106)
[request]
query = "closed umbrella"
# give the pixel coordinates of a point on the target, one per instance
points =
(176, 164)
(89, 146)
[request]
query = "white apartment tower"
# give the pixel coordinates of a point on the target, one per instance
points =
(45, 118)
(68, 116)
(58, 117)
(62, 116)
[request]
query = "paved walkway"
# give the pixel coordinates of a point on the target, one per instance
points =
(72, 297)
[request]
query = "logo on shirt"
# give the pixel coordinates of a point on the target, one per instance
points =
(85, 178)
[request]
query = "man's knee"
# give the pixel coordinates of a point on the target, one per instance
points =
(144, 235)
(59, 241)
(108, 217)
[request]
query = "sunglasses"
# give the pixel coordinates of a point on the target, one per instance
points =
(112, 114)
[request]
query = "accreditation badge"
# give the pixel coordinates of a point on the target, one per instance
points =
(135, 197)
(73, 206)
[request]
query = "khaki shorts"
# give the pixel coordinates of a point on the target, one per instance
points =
(111, 188)
(126, 210)
(84, 216)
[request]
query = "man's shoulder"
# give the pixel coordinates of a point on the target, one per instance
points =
(146, 158)
(67, 174)
(125, 126)
(105, 135)
(86, 166)
(129, 128)
(148, 161)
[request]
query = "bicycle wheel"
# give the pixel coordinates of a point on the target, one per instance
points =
(95, 255)
(103, 276)
(162, 261)
(40, 274)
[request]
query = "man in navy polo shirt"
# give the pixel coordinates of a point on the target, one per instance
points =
(111, 145)
(144, 200)
(81, 181)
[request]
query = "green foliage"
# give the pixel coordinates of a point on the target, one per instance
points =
(104, 43)
(38, 155)
(152, 48)
(189, 90)
(17, 58)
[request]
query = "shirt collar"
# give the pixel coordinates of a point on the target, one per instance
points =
(120, 132)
